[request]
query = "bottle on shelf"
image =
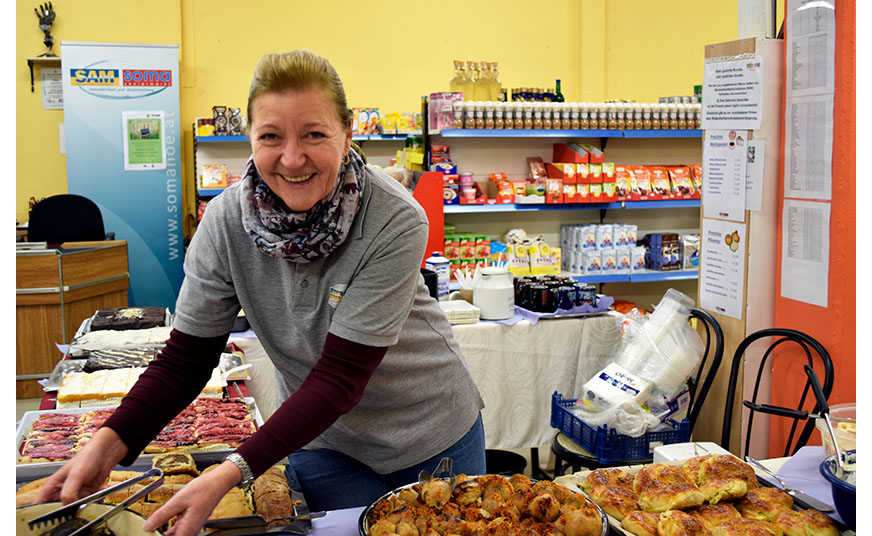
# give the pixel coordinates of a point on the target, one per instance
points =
(646, 117)
(546, 116)
(537, 115)
(655, 116)
(482, 82)
(566, 116)
(458, 83)
(496, 87)
(519, 116)
(682, 116)
(602, 116)
(578, 116)
(479, 114)
(458, 115)
(528, 116)
(469, 114)
(508, 115)
(499, 123)
(489, 115)
(673, 116)
(622, 122)
(471, 79)
(558, 94)
(697, 116)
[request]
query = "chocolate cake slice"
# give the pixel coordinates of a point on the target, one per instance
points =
(128, 318)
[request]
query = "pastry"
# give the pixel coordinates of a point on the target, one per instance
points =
(721, 477)
(607, 477)
(616, 501)
(662, 487)
(641, 523)
(764, 503)
(805, 523)
(746, 526)
(175, 462)
(714, 514)
(679, 523)
(128, 318)
(233, 504)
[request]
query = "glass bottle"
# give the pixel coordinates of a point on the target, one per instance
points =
(479, 114)
(637, 116)
(519, 115)
(546, 116)
(673, 116)
(528, 116)
(496, 87)
(622, 122)
(646, 117)
(458, 115)
(469, 114)
(537, 116)
(682, 117)
(499, 107)
(482, 88)
(558, 95)
(489, 115)
(471, 79)
(697, 116)
(566, 120)
(602, 122)
(655, 116)
(456, 84)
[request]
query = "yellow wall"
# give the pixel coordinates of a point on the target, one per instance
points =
(389, 53)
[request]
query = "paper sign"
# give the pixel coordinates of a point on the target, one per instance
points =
(724, 157)
(805, 251)
(722, 267)
(808, 147)
(144, 141)
(52, 88)
(732, 93)
(810, 27)
(754, 174)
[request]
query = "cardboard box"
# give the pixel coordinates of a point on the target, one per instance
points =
(610, 194)
(213, 176)
(569, 154)
(596, 183)
(561, 170)
(594, 154)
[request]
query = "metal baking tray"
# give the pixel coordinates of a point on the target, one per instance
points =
(364, 531)
(25, 472)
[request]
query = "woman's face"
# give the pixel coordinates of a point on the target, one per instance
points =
(298, 143)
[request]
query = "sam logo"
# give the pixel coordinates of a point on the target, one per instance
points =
(94, 77)
(146, 77)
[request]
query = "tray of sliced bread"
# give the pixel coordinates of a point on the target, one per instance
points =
(716, 494)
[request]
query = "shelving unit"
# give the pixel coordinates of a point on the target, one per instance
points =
(487, 151)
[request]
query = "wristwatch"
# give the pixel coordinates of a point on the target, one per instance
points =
(239, 462)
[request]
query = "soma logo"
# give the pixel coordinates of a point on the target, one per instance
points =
(147, 77)
(94, 77)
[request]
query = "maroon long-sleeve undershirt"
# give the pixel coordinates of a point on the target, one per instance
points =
(334, 386)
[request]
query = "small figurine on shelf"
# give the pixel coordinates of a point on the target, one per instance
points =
(235, 122)
(46, 15)
(219, 114)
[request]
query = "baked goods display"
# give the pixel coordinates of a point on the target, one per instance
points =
(269, 496)
(128, 318)
(206, 424)
(485, 505)
(112, 339)
(712, 494)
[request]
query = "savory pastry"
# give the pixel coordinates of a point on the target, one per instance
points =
(544, 508)
(467, 492)
(805, 523)
(616, 501)
(28, 492)
(144, 509)
(175, 462)
(164, 492)
(714, 514)
(746, 526)
(607, 477)
(435, 492)
(233, 504)
(679, 523)
(271, 481)
(662, 487)
(586, 521)
(641, 523)
(764, 503)
(723, 477)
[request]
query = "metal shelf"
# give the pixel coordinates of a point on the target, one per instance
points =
(209, 192)
(647, 133)
(225, 139)
(525, 133)
(667, 203)
(520, 207)
(644, 276)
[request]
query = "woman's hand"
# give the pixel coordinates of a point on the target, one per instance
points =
(87, 471)
(195, 501)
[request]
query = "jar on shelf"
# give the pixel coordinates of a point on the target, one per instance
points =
(537, 116)
(673, 116)
(638, 123)
(578, 116)
(565, 116)
(469, 114)
(682, 117)
(499, 123)
(655, 116)
(520, 108)
(697, 115)
(622, 122)
(508, 115)
(546, 116)
(528, 116)
(479, 115)
(488, 115)
(602, 116)
(646, 117)
(458, 114)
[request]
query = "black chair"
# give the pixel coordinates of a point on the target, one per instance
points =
(809, 346)
(66, 218)
(568, 453)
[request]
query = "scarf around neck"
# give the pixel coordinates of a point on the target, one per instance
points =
(301, 236)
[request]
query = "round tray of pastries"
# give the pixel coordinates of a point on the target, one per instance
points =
(716, 495)
(485, 505)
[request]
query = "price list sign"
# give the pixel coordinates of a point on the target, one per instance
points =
(724, 160)
(722, 266)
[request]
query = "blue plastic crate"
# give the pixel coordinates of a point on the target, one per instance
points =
(606, 444)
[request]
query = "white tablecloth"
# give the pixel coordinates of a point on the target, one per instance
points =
(516, 368)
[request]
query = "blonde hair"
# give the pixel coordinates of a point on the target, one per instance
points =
(300, 70)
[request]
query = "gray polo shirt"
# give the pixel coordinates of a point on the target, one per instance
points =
(421, 399)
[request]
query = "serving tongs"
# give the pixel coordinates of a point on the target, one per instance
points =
(825, 412)
(444, 471)
(239, 526)
(68, 512)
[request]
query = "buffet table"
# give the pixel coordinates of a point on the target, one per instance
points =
(516, 368)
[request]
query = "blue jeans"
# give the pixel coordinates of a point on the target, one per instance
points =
(330, 480)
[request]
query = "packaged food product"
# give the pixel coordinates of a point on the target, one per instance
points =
(682, 186)
(213, 176)
(537, 167)
(623, 182)
(641, 183)
(660, 182)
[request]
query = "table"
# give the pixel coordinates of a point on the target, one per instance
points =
(516, 368)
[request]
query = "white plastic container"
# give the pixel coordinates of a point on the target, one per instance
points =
(494, 294)
(440, 265)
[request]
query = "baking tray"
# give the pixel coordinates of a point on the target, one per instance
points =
(364, 531)
(25, 472)
(65, 366)
(85, 326)
(574, 480)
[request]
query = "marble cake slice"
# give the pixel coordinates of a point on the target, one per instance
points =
(113, 359)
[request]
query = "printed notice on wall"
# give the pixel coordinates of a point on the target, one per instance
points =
(808, 147)
(724, 158)
(144, 141)
(811, 47)
(805, 251)
(722, 267)
(732, 93)
(754, 175)
(52, 88)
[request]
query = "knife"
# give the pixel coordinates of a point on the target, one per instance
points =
(241, 526)
(795, 493)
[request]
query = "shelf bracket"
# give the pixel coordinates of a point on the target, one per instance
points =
(30, 64)
(603, 142)
(602, 214)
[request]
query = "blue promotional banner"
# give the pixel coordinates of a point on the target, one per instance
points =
(121, 117)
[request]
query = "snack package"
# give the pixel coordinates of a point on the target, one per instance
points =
(682, 186)
(689, 251)
(605, 236)
(623, 182)
(537, 168)
(660, 182)
(213, 176)
(622, 260)
(641, 186)
(619, 234)
(637, 258)
(696, 178)
(591, 262)
(608, 260)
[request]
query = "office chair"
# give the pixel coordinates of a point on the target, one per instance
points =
(808, 344)
(66, 218)
(568, 453)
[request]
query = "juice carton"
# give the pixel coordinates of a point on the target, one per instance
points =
(596, 183)
(609, 182)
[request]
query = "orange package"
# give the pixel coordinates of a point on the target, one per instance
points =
(623, 182)
(682, 186)
(640, 189)
(660, 182)
(696, 178)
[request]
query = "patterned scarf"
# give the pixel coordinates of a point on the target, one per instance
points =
(302, 236)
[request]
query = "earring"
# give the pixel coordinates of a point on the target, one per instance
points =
(346, 160)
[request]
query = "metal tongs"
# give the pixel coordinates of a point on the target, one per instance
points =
(444, 471)
(825, 413)
(240, 526)
(70, 511)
